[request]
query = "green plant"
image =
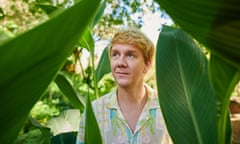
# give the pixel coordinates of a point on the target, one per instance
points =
(31, 61)
(215, 24)
(185, 94)
(203, 102)
(40, 53)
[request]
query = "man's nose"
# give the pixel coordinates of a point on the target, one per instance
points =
(122, 61)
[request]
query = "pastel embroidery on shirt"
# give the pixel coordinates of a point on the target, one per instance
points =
(150, 127)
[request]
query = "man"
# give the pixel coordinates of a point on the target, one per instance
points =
(130, 113)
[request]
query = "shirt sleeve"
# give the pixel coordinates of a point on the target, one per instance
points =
(81, 132)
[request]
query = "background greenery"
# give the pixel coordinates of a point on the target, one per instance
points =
(20, 16)
(44, 84)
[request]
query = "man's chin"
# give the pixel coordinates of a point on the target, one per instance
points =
(123, 83)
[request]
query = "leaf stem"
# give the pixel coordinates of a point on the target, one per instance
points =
(94, 73)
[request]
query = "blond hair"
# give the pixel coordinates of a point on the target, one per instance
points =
(136, 38)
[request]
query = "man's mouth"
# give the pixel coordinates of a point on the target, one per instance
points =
(122, 73)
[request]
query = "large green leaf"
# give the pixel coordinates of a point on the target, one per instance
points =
(185, 94)
(224, 77)
(87, 40)
(47, 8)
(103, 66)
(30, 62)
(92, 132)
(70, 92)
(99, 14)
(215, 23)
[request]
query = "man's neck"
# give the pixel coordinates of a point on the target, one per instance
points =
(132, 95)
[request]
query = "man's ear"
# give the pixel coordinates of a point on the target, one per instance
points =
(147, 66)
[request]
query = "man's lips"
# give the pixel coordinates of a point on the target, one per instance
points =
(122, 73)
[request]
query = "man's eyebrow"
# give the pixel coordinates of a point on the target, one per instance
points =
(127, 51)
(131, 51)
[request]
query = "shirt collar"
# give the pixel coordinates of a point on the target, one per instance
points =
(152, 101)
(113, 103)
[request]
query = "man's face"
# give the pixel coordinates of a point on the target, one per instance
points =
(127, 65)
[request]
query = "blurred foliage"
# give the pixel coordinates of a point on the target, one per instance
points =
(17, 16)
(124, 12)
(20, 15)
(53, 103)
(32, 137)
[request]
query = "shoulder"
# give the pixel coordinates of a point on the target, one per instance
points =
(152, 93)
(103, 99)
(101, 104)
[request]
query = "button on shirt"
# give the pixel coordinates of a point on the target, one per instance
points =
(150, 128)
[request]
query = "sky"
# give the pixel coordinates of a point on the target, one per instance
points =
(153, 23)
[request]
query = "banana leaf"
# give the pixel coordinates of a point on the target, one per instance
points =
(70, 92)
(214, 23)
(224, 78)
(47, 8)
(30, 61)
(185, 95)
(103, 66)
(87, 40)
(99, 14)
(92, 131)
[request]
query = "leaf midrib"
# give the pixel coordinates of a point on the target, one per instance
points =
(194, 120)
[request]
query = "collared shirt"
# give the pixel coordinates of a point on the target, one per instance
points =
(150, 128)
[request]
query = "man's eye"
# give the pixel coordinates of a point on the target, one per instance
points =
(115, 54)
(130, 55)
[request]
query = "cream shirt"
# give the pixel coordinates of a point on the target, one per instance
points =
(150, 128)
